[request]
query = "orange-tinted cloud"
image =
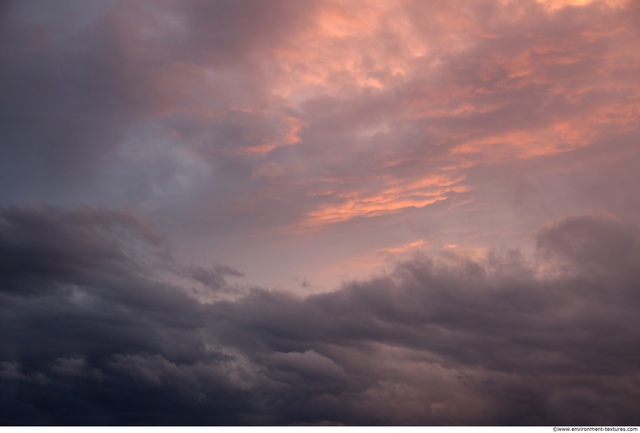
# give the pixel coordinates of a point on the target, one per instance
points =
(318, 116)
(393, 197)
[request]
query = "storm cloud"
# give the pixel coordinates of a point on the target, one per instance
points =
(437, 341)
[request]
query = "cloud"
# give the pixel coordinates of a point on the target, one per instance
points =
(441, 340)
(67, 247)
(69, 97)
(12, 372)
(181, 107)
(268, 170)
(594, 242)
(309, 365)
(76, 367)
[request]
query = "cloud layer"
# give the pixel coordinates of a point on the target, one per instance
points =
(437, 341)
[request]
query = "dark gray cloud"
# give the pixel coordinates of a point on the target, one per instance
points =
(81, 87)
(68, 97)
(93, 334)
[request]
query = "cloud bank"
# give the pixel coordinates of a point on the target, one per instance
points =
(437, 341)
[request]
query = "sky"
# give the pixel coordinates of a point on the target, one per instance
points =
(320, 212)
